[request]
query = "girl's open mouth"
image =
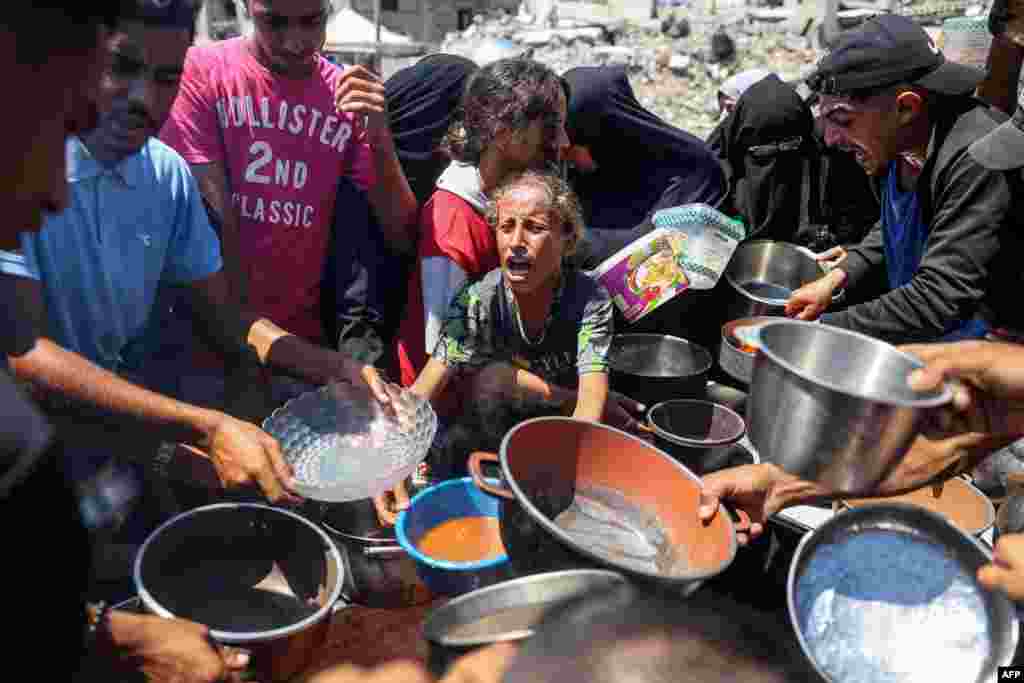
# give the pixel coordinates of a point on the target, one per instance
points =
(518, 266)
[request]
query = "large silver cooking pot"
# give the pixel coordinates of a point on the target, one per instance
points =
(652, 368)
(261, 578)
(833, 406)
(378, 572)
(762, 274)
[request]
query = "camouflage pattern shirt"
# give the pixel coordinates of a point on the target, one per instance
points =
(482, 327)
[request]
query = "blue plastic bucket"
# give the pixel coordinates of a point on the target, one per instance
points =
(450, 500)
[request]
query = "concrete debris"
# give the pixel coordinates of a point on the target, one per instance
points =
(681, 29)
(676, 63)
(680, 64)
(723, 47)
(615, 54)
(674, 27)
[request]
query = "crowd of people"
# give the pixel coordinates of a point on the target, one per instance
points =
(198, 232)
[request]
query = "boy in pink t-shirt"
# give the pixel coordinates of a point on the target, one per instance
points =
(284, 147)
(262, 112)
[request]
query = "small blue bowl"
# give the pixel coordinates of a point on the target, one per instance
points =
(449, 500)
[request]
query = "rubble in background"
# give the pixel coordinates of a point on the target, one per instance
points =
(676, 63)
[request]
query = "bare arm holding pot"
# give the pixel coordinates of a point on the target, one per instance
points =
(987, 413)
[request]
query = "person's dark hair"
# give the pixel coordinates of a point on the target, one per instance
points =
(165, 13)
(481, 427)
(54, 27)
(624, 634)
(508, 94)
(247, 10)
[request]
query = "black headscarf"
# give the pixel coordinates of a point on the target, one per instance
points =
(768, 151)
(422, 100)
(643, 163)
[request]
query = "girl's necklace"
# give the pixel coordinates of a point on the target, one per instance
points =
(524, 335)
(519, 322)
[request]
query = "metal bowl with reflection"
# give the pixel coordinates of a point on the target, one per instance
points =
(700, 434)
(762, 275)
(833, 406)
(888, 593)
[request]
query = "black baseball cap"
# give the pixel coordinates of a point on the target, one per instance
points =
(887, 50)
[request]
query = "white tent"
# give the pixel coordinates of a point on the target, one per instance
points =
(348, 28)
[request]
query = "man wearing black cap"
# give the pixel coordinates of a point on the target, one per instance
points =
(890, 97)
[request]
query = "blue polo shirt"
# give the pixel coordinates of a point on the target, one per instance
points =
(127, 229)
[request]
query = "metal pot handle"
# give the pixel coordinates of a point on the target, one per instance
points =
(383, 551)
(497, 487)
(838, 296)
(801, 248)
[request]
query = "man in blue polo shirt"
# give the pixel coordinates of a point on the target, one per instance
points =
(135, 221)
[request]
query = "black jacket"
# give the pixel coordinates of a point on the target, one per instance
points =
(966, 266)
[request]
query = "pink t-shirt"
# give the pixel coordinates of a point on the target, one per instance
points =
(284, 146)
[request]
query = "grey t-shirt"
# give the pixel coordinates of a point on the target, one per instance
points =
(482, 326)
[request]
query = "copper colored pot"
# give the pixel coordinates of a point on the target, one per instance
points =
(559, 475)
(965, 506)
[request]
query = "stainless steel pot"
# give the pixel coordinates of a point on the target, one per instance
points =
(734, 361)
(701, 435)
(378, 572)
(506, 612)
(957, 500)
(833, 406)
(652, 368)
(762, 274)
(886, 577)
(261, 578)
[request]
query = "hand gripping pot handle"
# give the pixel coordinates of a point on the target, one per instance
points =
(838, 296)
(495, 487)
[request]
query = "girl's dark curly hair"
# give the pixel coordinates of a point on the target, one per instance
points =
(508, 94)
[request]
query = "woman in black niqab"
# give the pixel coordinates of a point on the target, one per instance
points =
(770, 158)
(642, 163)
(422, 100)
